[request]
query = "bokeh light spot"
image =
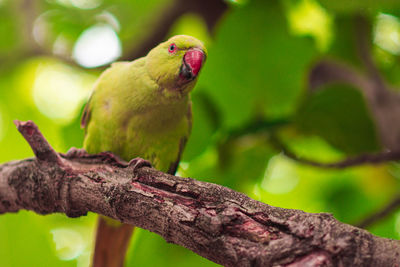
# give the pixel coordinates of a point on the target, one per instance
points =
(387, 33)
(307, 17)
(98, 45)
(62, 46)
(397, 224)
(280, 176)
(41, 28)
(182, 169)
(84, 259)
(237, 2)
(59, 91)
(86, 4)
(81, 4)
(69, 243)
(108, 18)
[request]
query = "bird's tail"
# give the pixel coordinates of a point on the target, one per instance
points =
(112, 240)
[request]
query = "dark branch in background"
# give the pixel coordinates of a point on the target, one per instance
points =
(256, 126)
(330, 71)
(388, 209)
(25, 13)
(215, 222)
(270, 127)
(377, 158)
(363, 33)
(209, 10)
(383, 103)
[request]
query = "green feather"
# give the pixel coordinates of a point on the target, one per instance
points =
(140, 109)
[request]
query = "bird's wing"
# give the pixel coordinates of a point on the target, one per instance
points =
(87, 110)
(86, 114)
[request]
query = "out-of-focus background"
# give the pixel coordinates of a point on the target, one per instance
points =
(287, 85)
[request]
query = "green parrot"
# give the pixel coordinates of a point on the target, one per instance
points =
(142, 109)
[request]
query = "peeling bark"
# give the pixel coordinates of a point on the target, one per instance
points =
(215, 222)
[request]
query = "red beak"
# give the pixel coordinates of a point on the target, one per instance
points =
(194, 58)
(192, 63)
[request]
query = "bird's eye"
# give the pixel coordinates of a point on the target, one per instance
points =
(172, 48)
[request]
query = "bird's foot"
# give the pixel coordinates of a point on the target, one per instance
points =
(74, 152)
(112, 159)
(138, 163)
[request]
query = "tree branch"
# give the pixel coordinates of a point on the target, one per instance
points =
(385, 211)
(270, 127)
(384, 104)
(215, 222)
(331, 71)
(377, 158)
(363, 32)
(209, 10)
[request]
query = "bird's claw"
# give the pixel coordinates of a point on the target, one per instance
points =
(112, 158)
(74, 152)
(138, 163)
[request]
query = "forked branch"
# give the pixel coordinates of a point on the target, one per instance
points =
(215, 222)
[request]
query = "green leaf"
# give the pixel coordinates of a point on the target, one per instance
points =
(339, 114)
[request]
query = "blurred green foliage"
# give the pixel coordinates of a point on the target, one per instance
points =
(339, 115)
(260, 57)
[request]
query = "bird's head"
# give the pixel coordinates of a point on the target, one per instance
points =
(176, 63)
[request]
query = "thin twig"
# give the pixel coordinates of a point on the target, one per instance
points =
(364, 159)
(42, 149)
(388, 209)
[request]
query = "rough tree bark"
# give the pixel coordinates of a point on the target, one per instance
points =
(215, 222)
